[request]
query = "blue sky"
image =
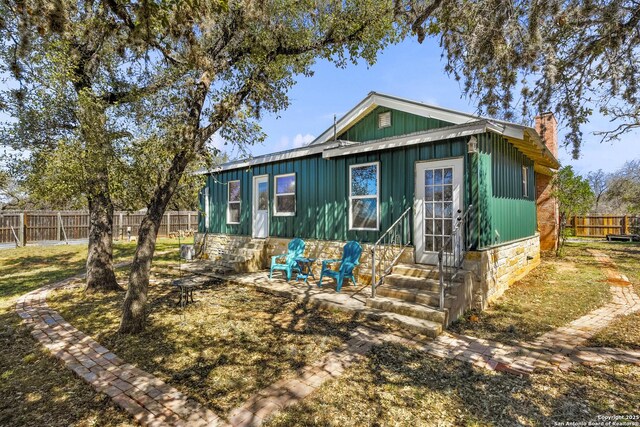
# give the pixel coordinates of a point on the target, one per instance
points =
(412, 71)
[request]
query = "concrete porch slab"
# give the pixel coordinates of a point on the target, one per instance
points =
(350, 299)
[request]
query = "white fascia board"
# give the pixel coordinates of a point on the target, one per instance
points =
(357, 112)
(267, 158)
(413, 139)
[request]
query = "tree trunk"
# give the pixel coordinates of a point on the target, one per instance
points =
(100, 274)
(134, 314)
(92, 117)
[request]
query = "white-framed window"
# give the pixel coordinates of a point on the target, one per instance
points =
(207, 208)
(284, 199)
(384, 120)
(525, 181)
(233, 202)
(364, 195)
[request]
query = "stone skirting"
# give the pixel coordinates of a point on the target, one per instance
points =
(220, 244)
(496, 268)
(490, 272)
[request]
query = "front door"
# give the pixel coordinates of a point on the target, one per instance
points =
(438, 197)
(260, 206)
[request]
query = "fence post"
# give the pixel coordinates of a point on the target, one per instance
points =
(22, 229)
(120, 227)
(168, 224)
(189, 221)
(575, 226)
(625, 224)
(58, 224)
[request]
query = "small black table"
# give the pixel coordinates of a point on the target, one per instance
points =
(186, 287)
(306, 268)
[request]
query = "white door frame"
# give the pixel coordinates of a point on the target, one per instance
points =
(259, 218)
(423, 256)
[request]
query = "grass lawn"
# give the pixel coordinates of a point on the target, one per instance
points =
(558, 291)
(35, 389)
(235, 341)
(401, 387)
(220, 350)
(623, 332)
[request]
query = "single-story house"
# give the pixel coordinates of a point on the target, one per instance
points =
(428, 171)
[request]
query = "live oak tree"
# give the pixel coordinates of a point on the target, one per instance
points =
(237, 61)
(70, 62)
(572, 57)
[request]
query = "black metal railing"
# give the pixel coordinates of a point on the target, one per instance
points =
(451, 255)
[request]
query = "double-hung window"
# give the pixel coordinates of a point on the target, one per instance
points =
(284, 203)
(525, 182)
(233, 203)
(364, 192)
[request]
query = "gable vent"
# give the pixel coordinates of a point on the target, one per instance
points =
(384, 120)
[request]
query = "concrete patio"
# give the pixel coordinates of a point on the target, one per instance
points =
(350, 299)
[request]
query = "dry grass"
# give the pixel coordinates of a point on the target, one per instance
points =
(624, 332)
(36, 390)
(552, 295)
(403, 387)
(220, 350)
(234, 341)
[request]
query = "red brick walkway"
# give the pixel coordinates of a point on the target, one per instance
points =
(149, 400)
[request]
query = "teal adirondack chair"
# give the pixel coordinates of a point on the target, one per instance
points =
(350, 259)
(295, 250)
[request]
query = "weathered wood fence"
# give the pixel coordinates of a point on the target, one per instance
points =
(22, 227)
(601, 225)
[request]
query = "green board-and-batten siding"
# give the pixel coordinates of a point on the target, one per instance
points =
(505, 213)
(493, 183)
(322, 192)
(366, 129)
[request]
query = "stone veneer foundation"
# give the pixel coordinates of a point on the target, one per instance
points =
(494, 269)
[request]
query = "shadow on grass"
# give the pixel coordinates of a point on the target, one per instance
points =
(229, 344)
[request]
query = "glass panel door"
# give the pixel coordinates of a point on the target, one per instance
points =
(438, 208)
(438, 196)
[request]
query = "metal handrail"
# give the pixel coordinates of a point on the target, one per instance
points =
(395, 239)
(455, 239)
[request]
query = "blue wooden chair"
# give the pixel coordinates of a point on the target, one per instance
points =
(295, 250)
(350, 259)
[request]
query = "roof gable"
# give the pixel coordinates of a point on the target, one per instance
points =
(376, 100)
(402, 123)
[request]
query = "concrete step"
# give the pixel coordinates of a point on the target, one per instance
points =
(412, 309)
(410, 282)
(431, 298)
(422, 271)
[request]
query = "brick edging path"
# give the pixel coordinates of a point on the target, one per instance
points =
(148, 399)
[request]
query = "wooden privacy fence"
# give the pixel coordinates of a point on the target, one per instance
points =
(44, 226)
(601, 225)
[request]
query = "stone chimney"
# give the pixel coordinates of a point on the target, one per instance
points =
(547, 128)
(546, 204)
